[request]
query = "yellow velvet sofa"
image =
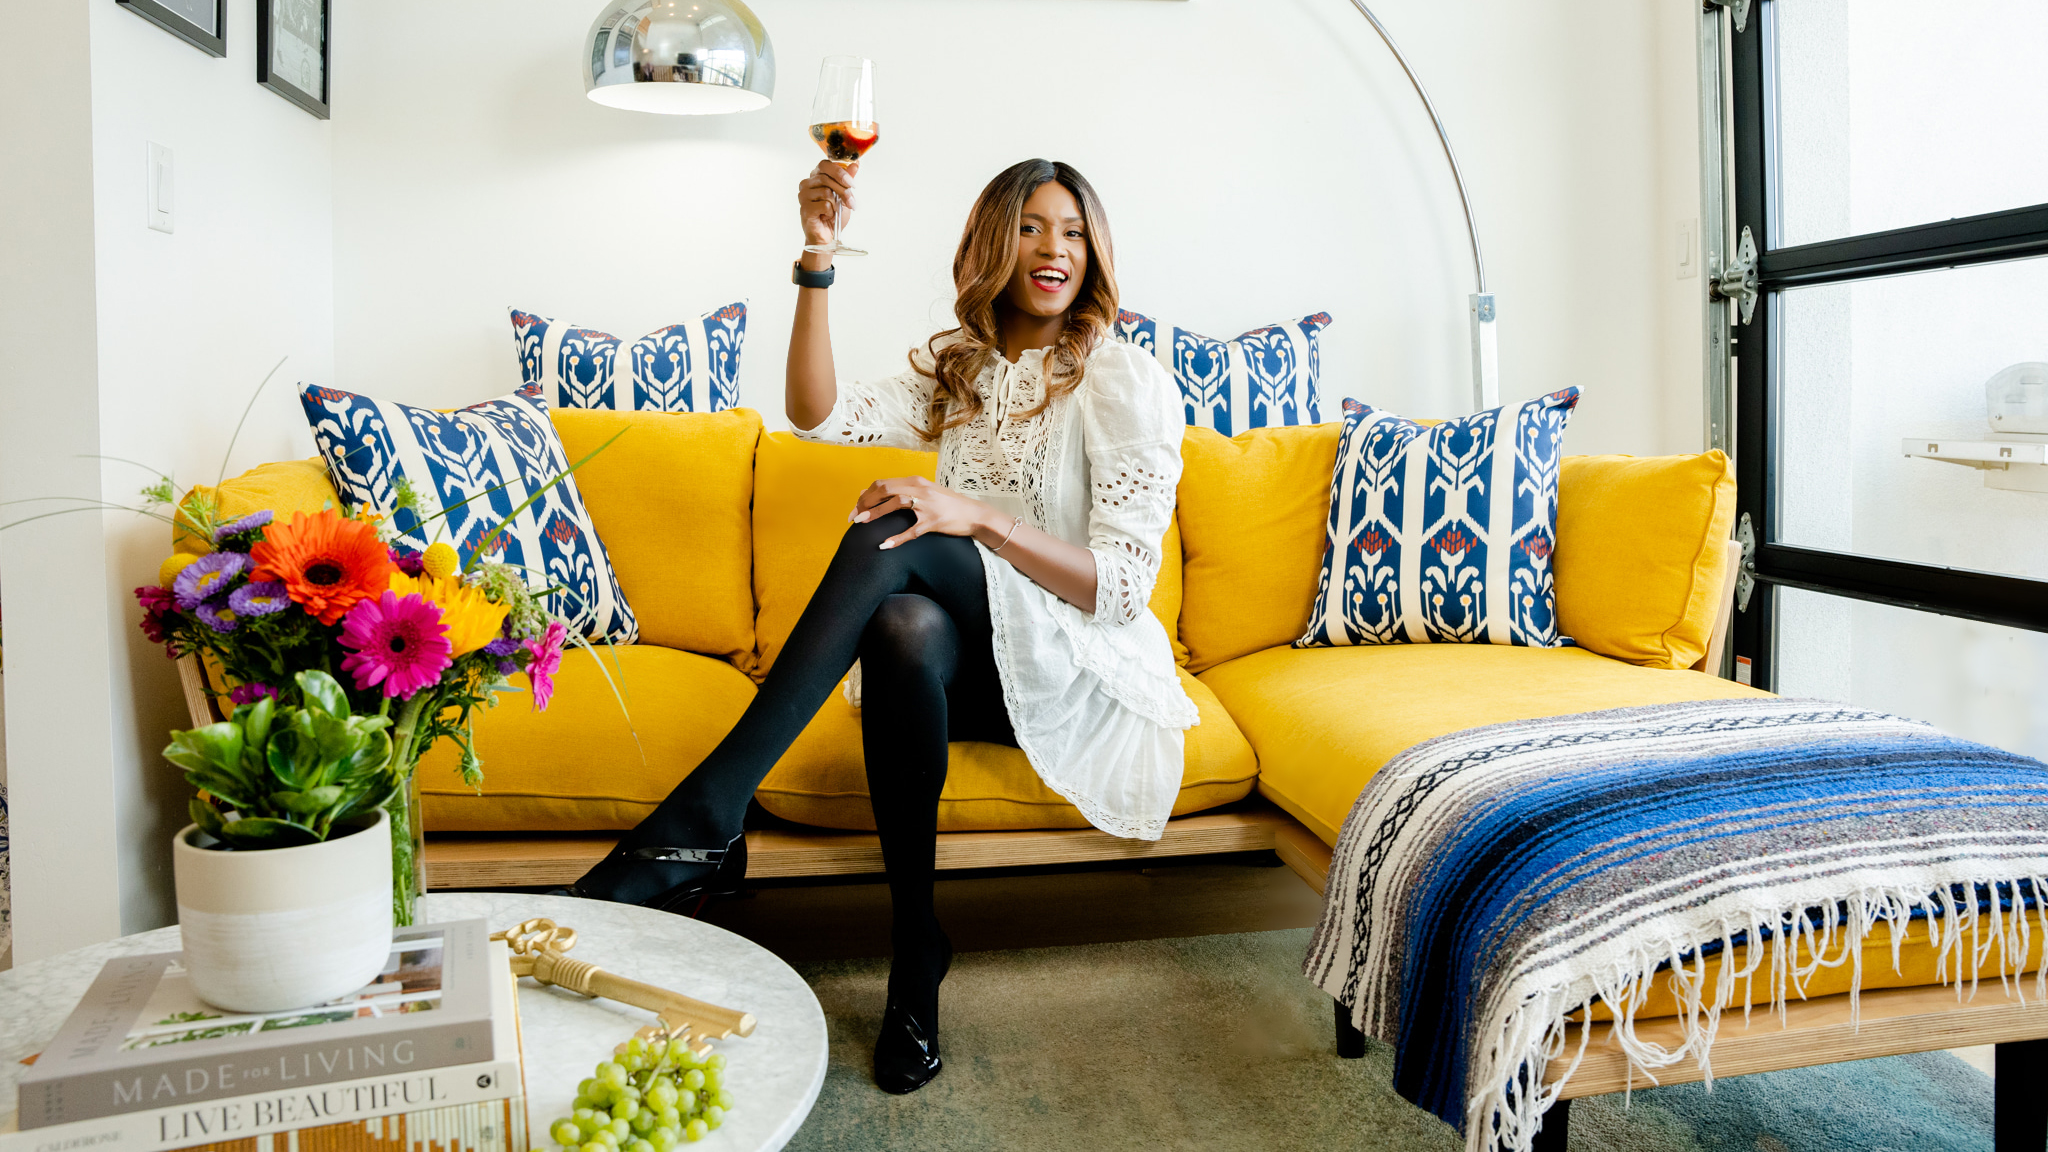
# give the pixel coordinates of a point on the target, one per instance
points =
(720, 533)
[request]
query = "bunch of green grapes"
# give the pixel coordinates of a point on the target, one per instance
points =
(654, 1095)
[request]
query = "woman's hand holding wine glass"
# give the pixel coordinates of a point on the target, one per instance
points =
(817, 208)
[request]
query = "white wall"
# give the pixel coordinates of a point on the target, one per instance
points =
(1261, 159)
(164, 353)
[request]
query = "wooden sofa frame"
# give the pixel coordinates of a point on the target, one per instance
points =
(1893, 1021)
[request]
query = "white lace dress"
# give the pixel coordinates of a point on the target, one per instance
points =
(1093, 696)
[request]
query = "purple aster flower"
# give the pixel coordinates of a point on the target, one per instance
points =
(507, 667)
(502, 647)
(207, 577)
(215, 615)
(250, 693)
(410, 563)
(251, 523)
(259, 599)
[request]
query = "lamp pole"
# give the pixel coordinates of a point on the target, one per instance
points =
(1485, 346)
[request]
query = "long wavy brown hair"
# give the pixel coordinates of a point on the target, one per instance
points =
(982, 267)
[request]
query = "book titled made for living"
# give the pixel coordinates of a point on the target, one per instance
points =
(471, 1107)
(143, 1040)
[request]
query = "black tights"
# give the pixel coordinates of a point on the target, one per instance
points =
(917, 616)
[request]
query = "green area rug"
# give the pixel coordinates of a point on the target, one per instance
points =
(1218, 1042)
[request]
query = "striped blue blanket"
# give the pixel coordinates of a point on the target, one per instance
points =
(1490, 884)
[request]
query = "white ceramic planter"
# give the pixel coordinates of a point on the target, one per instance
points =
(284, 927)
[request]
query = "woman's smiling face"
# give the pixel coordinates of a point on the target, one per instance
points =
(1052, 253)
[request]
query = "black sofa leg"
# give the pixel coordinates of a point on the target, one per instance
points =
(1556, 1128)
(1350, 1041)
(2020, 1106)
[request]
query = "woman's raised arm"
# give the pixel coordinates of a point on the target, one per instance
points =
(812, 386)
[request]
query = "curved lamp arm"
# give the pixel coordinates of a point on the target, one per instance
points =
(1485, 359)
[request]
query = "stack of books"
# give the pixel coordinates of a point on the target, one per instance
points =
(424, 1059)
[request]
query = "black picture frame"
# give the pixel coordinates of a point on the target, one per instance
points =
(184, 29)
(267, 15)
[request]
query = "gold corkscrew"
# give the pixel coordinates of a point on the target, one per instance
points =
(540, 949)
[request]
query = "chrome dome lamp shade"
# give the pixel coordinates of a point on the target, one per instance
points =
(680, 57)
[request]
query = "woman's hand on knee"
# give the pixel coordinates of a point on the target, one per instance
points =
(937, 508)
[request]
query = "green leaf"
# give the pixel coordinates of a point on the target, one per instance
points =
(374, 797)
(236, 793)
(216, 747)
(255, 720)
(206, 816)
(323, 694)
(311, 801)
(266, 832)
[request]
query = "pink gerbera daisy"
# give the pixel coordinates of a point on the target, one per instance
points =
(397, 641)
(547, 660)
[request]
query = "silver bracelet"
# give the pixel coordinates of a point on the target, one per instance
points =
(1015, 523)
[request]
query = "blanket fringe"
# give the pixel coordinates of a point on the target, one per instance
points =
(1537, 1032)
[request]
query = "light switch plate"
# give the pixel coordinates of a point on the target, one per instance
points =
(160, 187)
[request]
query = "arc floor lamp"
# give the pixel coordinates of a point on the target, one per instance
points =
(1485, 349)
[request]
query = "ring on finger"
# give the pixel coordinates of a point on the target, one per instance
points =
(913, 501)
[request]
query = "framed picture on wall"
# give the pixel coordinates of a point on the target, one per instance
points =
(291, 51)
(201, 23)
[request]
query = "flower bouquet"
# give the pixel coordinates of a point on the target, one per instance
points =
(416, 638)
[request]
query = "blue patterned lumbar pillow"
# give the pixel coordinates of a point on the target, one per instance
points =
(688, 367)
(493, 455)
(1265, 378)
(1443, 534)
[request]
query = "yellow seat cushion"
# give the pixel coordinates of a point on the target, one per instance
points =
(672, 501)
(802, 494)
(1641, 554)
(1324, 720)
(822, 779)
(1166, 590)
(579, 765)
(1252, 525)
(1919, 966)
(287, 488)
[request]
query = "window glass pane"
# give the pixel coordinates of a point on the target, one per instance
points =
(1873, 369)
(1893, 113)
(1981, 682)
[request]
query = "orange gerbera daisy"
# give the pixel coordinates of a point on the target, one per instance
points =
(327, 563)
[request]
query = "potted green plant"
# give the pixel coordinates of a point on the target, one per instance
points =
(284, 875)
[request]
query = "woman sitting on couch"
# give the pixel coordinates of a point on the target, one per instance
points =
(1005, 602)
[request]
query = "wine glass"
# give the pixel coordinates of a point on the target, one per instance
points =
(843, 124)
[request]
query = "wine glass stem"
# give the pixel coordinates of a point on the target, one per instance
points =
(838, 218)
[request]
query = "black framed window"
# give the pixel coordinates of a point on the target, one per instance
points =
(1891, 385)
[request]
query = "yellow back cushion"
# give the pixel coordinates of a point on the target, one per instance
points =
(802, 494)
(1640, 554)
(1252, 513)
(287, 488)
(1167, 589)
(671, 500)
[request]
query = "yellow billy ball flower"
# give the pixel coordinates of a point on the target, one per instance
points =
(172, 565)
(440, 560)
(472, 619)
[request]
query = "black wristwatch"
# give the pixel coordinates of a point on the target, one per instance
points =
(804, 279)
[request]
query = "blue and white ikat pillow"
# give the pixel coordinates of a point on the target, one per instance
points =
(1265, 378)
(689, 367)
(1443, 534)
(493, 455)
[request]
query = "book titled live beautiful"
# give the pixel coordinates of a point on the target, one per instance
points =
(142, 1040)
(481, 1101)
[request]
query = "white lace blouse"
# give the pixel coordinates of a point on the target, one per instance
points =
(1094, 698)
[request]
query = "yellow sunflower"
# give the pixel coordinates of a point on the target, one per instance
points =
(472, 620)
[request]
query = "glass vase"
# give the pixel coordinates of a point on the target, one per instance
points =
(408, 850)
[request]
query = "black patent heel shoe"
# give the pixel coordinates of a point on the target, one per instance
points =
(687, 898)
(907, 1051)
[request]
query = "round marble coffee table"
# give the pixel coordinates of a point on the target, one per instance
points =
(775, 1073)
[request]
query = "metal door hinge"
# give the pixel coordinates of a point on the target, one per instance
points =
(1745, 576)
(1739, 7)
(1738, 281)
